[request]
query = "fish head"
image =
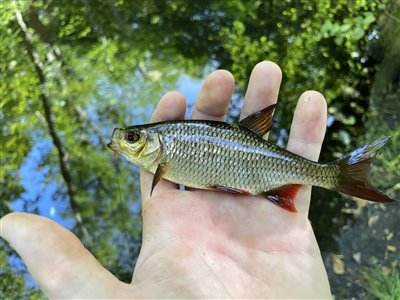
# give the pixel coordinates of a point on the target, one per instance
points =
(136, 144)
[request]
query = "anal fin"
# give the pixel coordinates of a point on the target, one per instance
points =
(284, 196)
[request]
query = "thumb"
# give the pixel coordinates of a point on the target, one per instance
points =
(57, 260)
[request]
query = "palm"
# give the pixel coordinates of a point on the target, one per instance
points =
(229, 243)
(197, 243)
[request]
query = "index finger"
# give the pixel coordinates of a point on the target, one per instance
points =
(172, 106)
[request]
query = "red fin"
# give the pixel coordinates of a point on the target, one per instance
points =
(284, 196)
(354, 176)
(230, 190)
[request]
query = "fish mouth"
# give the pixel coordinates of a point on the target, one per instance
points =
(114, 144)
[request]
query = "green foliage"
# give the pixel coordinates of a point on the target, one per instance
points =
(18, 87)
(384, 117)
(351, 29)
(90, 94)
(302, 37)
(13, 281)
(381, 285)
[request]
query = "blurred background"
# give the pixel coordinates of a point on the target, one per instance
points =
(71, 71)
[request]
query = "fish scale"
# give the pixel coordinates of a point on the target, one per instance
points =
(228, 156)
(235, 158)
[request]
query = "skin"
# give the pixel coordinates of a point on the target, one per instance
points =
(198, 244)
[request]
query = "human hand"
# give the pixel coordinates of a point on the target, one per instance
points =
(198, 244)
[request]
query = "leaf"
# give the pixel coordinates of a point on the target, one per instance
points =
(358, 33)
(345, 27)
(368, 18)
(338, 264)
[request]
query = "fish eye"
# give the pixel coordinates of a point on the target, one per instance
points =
(131, 137)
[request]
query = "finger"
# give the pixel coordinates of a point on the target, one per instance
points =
(307, 134)
(214, 97)
(57, 260)
(263, 88)
(172, 106)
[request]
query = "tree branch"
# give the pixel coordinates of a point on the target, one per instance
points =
(49, 116)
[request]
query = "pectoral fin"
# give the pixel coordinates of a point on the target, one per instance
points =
(260, 122)
(161, 169)
(284, 196)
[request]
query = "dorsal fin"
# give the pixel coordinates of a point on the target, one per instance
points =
(260, 122)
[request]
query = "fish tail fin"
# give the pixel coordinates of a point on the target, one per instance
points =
(354, 174)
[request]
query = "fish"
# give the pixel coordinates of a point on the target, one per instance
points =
(234, 157)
